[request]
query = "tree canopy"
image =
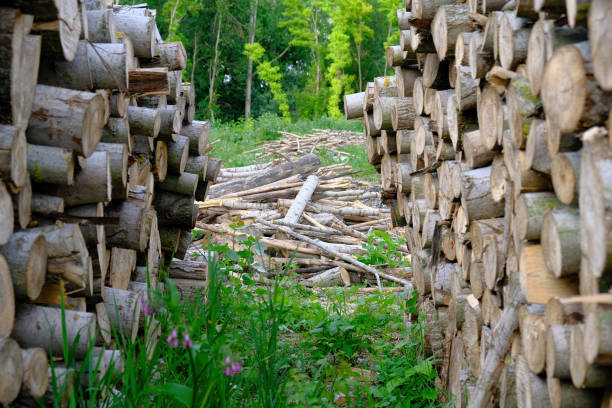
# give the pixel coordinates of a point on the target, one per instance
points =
(306, 53)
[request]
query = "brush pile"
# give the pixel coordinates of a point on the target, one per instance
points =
(318, 215)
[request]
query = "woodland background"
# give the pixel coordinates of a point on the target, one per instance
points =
(299, 56)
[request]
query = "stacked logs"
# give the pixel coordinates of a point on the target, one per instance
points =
(494, 146)
(101, 164)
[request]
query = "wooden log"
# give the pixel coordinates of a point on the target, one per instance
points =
(118, 160)
(583, 104)
(66, 118)
(536, 149)
(22, 204)
(171, 123)
(197, 165)
(585, 375)
(184, 242)
(597, 329)
(466, 89)
(537, 282)
(185, 184)
(563, 393)
(178, 152)
(490, 117)
(522, 105)
(501, 336)
(101, 26)
(47, 205)
(382, 113)
(530, 209)
(438, 112)
(11, 370)
(7, 300)
(12, 40)
(48, 164)
(471, 330)
(123, 308)
(531, 389)
(565, 174)
(299, 203)
(13, 161)
(144, 121)
(449, 21)
(513, 40)
(476, 197)
(304, 165)
(198, 133)
(141, 30)
(132, 230)
(385, 87)
(558, 339)
(476, 152)
(435, 72)
(171, 55)
(39, 326)
(26, 254)
(122, 264)
(160, 163)
(405, 78)
(91, 185)
(35, 372)
(148, 81)
(175, 210)
(402, 113)
(213, 167)
(599, 17)
(395, 57)
(153, 101)
(595, 200)
(96, 65)
(561, 241)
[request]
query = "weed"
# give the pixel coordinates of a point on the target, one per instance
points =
(383, 250)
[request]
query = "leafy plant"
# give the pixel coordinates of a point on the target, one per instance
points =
(383, 249)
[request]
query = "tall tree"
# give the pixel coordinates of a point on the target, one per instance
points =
(249, 81)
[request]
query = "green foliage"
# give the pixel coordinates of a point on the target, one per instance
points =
(241, 344)
(383, 250)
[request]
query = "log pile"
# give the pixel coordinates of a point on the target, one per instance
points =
(316, 218)
(101, 164)
(493, 143)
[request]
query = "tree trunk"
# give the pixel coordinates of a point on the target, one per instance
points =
(252, 26)
(66, 118)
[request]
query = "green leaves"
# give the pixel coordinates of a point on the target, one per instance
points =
(383, 250)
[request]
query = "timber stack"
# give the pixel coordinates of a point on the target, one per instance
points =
(494, 144)
(101, 164)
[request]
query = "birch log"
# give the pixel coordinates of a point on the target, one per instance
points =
(299, 203)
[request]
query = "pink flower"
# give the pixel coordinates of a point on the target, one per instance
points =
(172, 339)
(232, 368)
(148, 309)
(187, 343)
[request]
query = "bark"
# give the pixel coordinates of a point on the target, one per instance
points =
(435, 72)
(476, 197)
(332, 277)
(26, 254)
(118, 158)
(600, 16)
(197, 165)
(537, 282)
(7, 300)
(252, 26)
(141, 31)
(531, 390)
(38, 326)
(438, 112)
(144, 121)
(91, 185)
(476, 152)
(536, 149)
(585, 375)
(563, 393)
(595, 200)
(402, 114)
(149, 81)
(47, 205)
(466, 89)
(171, 123)
(385, 87)
(122, 264)
(178, 152)
(101, 26)
(558, 351)
(95, 66)
(185, 184)
(501, 336)
(160, 161)
(132, 230)
(513, 42)
(382, 113)
(175, 210)
(66, 118)
(213, 167)
(123, 308)
(530, 209)
(405, 80)
(522, 106)
(47, 164)
(353, 105)
(490, 117)
(11, 370)
(304, 165)
(198, 133)
(301, 200)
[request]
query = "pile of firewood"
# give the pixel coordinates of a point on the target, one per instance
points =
(492, 143)
(101, 164)
(315, 217)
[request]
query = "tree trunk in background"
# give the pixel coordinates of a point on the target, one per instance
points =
(359, 55)
(252, 25)
(213, 74)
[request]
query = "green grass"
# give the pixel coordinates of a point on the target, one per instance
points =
(274, 346)
(233, 139)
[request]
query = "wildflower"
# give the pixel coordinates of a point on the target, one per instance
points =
(148, 309)
(187, 343)
(172, 339)
(232, 368)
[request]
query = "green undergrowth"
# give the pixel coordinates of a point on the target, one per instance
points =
(241, 343)
(232, 140)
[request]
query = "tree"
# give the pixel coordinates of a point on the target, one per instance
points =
(249, 81)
